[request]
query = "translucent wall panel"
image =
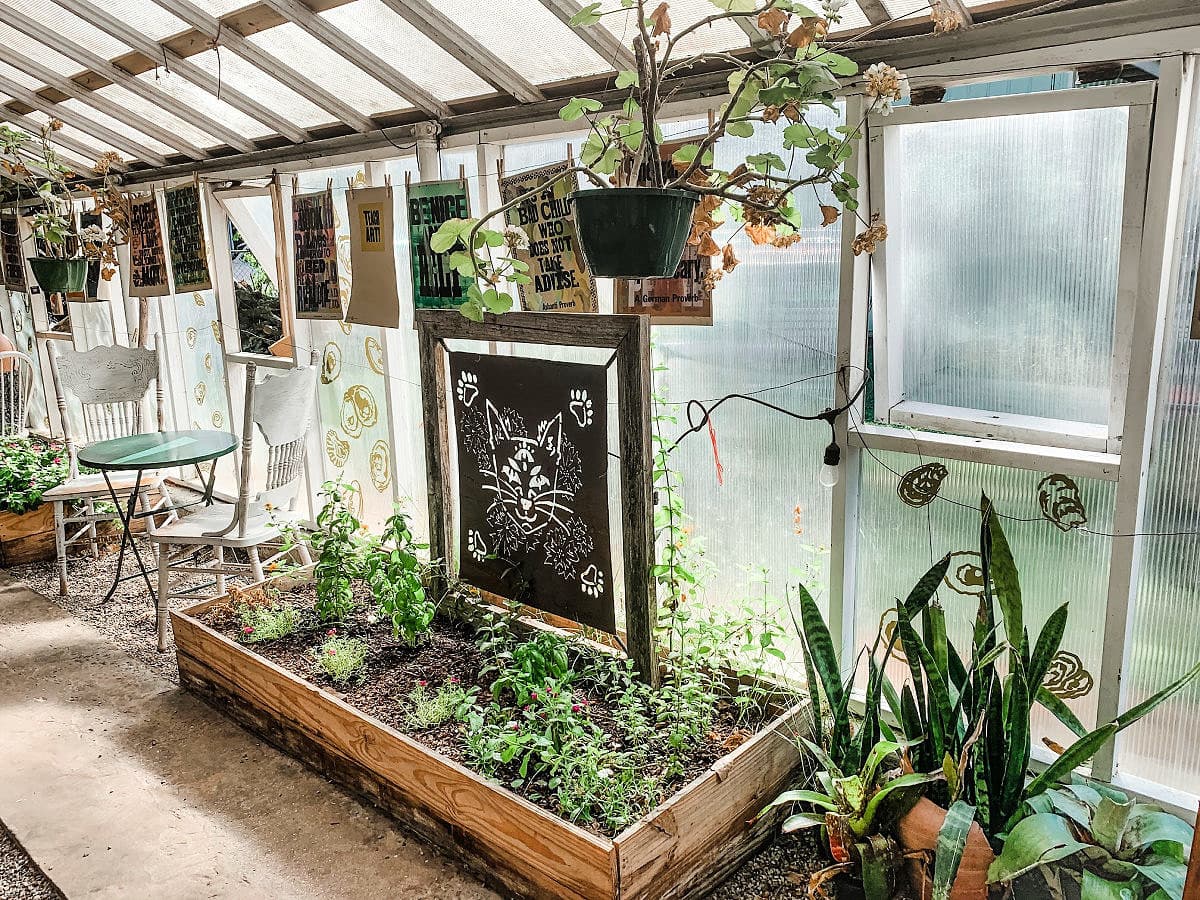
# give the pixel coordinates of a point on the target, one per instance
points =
(355, 427)
(775, 323)
(199, 362)
(898, 543)
(391, 38)
(528, 37)
(1164, 641)
(1004, 283)
(329, 69)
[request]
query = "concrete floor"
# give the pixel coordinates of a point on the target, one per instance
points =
(119, 784)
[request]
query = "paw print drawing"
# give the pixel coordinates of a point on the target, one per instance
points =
(467, 388)
(592, 581)
(475, 545)
(581, 407)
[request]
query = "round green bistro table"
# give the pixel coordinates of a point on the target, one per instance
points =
(155, 450)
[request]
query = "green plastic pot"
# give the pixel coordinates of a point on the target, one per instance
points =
(633, 232)
(59, 276)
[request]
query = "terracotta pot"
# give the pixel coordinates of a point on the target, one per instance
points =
(918, 830)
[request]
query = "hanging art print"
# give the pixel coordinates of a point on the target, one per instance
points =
(435, 284)
(147, 259)
(10, 251)
(686, 297)
(314, 236)
(561, 280)
(185, 232)
(532, 439)
(373, 296)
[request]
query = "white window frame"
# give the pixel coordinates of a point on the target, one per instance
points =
(892, 405)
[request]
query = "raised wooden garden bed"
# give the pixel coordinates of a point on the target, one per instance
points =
(682, 849)
(27, 537)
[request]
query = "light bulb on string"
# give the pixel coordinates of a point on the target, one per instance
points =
(831, 467)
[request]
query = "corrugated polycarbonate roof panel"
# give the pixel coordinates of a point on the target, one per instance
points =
(715, 37)
(270, 93)
(87, 140)
(13, 74)
(408, 51)
(62, 22)
(220, 8)
(157, 114)
(907, 9)
(853, 18)
(22, 45)
(328, 69)
(143, 16)
(527, 36)
(202, 101)
(94, 115)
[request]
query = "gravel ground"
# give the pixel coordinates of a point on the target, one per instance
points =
(20, 878)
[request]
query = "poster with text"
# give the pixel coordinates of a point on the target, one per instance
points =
(147, 259)
(185, 232)
(314, 241)
(435, 284)
(12, 255)
(532, 439)
(685, 298)
(561, 280)
(374, 299)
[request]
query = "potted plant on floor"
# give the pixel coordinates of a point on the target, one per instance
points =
(638, 215)
(38, 173)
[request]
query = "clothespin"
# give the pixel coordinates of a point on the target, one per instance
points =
(407, 180)
(349, 186)
(570, 155)
(295, 184)
(329, 185)
(500, 168)
(387, 183)
(462, 176)
(196, 180)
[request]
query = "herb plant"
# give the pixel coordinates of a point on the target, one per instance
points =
(396, 576)
(429, 709)
(341, 658)
(268, 621)
(338, 547)
(28, 468)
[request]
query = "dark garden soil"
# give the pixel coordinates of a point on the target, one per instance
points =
(393, 671)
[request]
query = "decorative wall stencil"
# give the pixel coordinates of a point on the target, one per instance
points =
(1066, 678)
(200, 374)
(435, 284)
(920, 486)
(185, 233)
(686, 298)
(965, 574)
(373, 350)
(331, 363)
(533, 483)
(336, 449)
(359, 410)
(561, 280)
(1060, 502)
(381, 466)
(314, 238)
(373, 296)
(147, 258)
(11, 255)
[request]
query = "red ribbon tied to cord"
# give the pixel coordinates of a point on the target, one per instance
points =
(712, 436)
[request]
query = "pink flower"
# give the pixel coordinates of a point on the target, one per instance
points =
(575, 707)
(331, 632)
(452, 680)
(331, 652)
(249, 629)
(422, 682)
(513, 726)
(533, 695)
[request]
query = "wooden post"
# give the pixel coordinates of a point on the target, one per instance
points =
(1191, 890)
(629, 336)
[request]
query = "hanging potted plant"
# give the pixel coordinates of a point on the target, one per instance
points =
(637, 214)
(63, 250)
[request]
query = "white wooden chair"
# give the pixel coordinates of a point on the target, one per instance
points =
(111, 385)
(16, 385)
(281, 407)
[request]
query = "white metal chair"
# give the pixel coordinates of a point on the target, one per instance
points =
(111, 385)
(16, 385)
(281, 407)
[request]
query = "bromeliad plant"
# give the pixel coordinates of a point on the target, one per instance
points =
(1123, 848)
(796, 73)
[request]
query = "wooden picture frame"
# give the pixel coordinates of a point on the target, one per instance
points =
(629, 337)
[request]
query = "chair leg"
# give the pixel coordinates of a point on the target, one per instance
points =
(302, 551)
(91, 511)
(60, 541)
(163, 600)
(219, 553)
(256, 569)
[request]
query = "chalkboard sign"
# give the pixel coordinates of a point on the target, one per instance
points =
(314, 237)
(147, 261)
(185, 231)
(561, 280)
(435, 284)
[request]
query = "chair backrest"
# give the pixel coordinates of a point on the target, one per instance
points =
(281, 408)
(16, 385)
(110, 383)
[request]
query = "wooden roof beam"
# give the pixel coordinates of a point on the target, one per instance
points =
(597, 37)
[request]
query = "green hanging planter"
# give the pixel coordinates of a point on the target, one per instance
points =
(633, 232)
(59, 276)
